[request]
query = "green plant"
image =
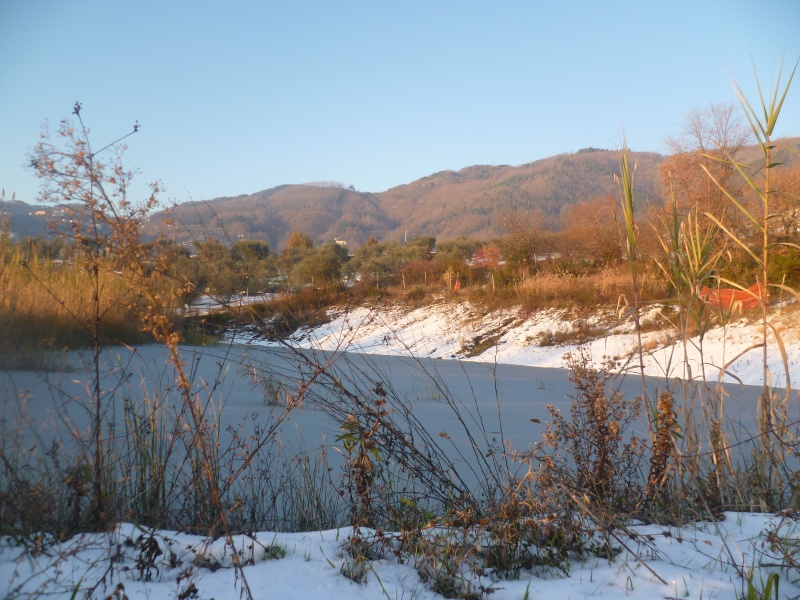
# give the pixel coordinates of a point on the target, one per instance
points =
(362, 459)
(274, 552)
(626, 191)
(764, 591)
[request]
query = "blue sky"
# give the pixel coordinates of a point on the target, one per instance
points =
(237, 97)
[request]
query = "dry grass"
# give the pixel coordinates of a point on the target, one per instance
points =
(49, 305)
(606, 286)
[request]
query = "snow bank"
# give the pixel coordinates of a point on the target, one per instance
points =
(463, 331)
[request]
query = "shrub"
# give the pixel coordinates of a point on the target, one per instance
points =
(593, 452)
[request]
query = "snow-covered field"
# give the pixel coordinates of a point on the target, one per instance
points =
(699, 561)
(450, 331)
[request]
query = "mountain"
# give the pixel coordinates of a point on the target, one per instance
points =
(477, 200)
(32, 220)
(321, 211)
(474, 201)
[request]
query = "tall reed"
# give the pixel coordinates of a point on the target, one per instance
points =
(689, 262)
(46, 304)
(772, 411)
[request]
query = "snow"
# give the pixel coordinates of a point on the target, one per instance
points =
(206, 304)
(447, 330)
(700, 560)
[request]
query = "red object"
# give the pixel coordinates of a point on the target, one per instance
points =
(731, 299)
(458, 285)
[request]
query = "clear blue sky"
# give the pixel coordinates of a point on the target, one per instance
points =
(236, 97)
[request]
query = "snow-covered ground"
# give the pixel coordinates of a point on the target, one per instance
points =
(699, 561)
(205, 304)
(452, 330)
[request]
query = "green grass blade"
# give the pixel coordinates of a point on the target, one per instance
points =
(776, 105)
(750, 114)
(625, 182)
(738, 205)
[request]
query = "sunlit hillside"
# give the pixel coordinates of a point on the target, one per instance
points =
(473, 201)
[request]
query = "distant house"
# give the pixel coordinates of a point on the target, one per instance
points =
(342, 243)
(487, 257)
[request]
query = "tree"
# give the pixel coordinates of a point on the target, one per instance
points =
(299, 241)
(321, 267)
(218, 270)
(709, 137)
(251, 262)
(251, 249)
(425, 242)
(460, 247)
(522, 242)
(591, 233)
(786, 203)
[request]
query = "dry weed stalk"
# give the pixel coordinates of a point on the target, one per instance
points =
(665, 426)
(108, 230)
(603, 459)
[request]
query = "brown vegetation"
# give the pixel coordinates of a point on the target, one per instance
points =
(474, 201)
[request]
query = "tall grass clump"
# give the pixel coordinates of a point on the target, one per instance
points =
(47, 304)
(689, 264)
(604, 286)
(772, 409)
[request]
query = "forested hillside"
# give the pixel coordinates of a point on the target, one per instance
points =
(474, 201)
(480, 201)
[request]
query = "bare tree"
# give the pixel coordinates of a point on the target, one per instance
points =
(710, 129)
(708, 138)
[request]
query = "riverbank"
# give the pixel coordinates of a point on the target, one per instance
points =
(464, 331)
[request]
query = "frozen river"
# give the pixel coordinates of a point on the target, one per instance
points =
(505, 401)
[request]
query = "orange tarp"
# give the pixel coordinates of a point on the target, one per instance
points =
(731, 298)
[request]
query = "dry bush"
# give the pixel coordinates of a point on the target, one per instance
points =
(593, 452)
(286, 313)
